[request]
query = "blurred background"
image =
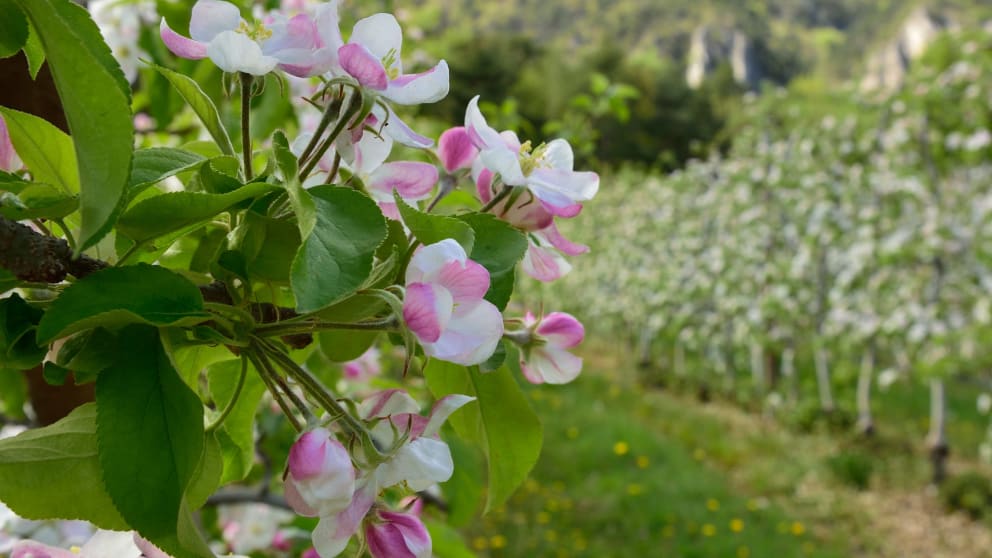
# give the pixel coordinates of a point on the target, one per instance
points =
(788, 301)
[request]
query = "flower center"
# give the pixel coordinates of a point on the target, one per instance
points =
(256, 31)
(531, 157)
(389, 63)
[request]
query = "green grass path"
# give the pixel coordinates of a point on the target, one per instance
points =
(625, 473)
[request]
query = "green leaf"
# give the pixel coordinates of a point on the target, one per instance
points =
(429, 228)
(18, 346)
(55, 472)
(97, 102)
(269, 246)
(174, 211)
(219, 175)
(206, 478)
(13, 396)
(34, 51)
(150, 435)
(303, 204)
(342, 346)
(201, 105)
(337, 257)
(235, 435)
(122, 295)
(446, 541)
(158, 163)
(464, 490)
(54, 374)
(498, 247)
(46, 151)
(13, 28)
(87, 353)
(501, 420)
(37, 201)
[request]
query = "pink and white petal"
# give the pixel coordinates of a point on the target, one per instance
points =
(181, 46)
(299, 62)
(363, 66)
(296, 33)
(111, 543)
(397, 129)
(328, 494)
(562, 188)
(381, 35)
(147, 549)
(455, 149)
(234, 52)
(472, 335)
(413, 89)
(210, 18)
(370, 152)
(385, 541)
(483, 136)
(506, 164)
(556, 366)
(328, 538)
(296, 500)
(328, 23)
(412, 180)
(9, 161)
(483, 181)
(390, 210)
(427, 308)
(415, 535)
(566, 246)
(31, 549)
(428, 261)
(530, 373)
(544, 264)
(466, 281)
(511, 140)
(558, 155)
(561, 330)
(309, 453)
(528, 213)
(421, 463)
(443, 409)
(388, 402)
(565, 212)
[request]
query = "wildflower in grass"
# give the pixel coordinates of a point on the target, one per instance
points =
(218, 32)
(621, 448)
(736, 525)
(424, 460)
(643, 461)
(444, 305)
(708, 530)
(397, 535)
(320, 479)
(712, 504)
(544, 348)
(797, 528)
(545, 171)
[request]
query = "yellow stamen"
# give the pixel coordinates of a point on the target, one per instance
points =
(257, 31)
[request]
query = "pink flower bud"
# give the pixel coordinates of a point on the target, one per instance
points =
(398, 535)
(455, 149)
(320, 478)
(545, 357)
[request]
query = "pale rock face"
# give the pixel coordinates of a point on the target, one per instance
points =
(711, 46)
(887, 68)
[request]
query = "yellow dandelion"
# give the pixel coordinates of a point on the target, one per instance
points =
(736, 525)
(699, 454)
(572, 432)
(709, 530)
(668, 532)
(743, 552)
(712, 504)
(544, 518)
(551, 536)
(635, 489)
(497, 541)
(552, 505)
(531, 485)
(643, 462)
(621, 448)
(480, 543)
(797, 528)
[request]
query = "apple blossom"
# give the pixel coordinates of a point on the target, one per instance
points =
(424, 460)
(456, 150)
(444, 305)
(363, 367)
(333, 532)
(397, 535)
(544, 345)
(9, 161)
(217, 31)
(320, 478)
(103, 544)
(546, 171)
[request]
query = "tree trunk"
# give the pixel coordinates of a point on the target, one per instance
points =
(789, 373)
(937, 437)
(758, 368)
(866, 424)
(823, 380)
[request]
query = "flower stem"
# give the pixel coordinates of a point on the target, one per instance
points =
(246, 82)
(499, 197)
(353, 106)
(266, 373)
(280, 329)
(234, 397)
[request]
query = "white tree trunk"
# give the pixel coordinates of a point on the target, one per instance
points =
(758, 367)
(866, 423)
(823, 380)
(937, 437)
(789, 372)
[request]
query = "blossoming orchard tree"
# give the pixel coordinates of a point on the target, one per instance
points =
(198, 284)
(849, 233)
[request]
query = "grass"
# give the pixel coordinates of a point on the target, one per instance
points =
(629, 471)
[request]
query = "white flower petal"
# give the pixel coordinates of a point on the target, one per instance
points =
(380, 34)
(234, 52)
(211, 18)
(428, 262)
(421, 464)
